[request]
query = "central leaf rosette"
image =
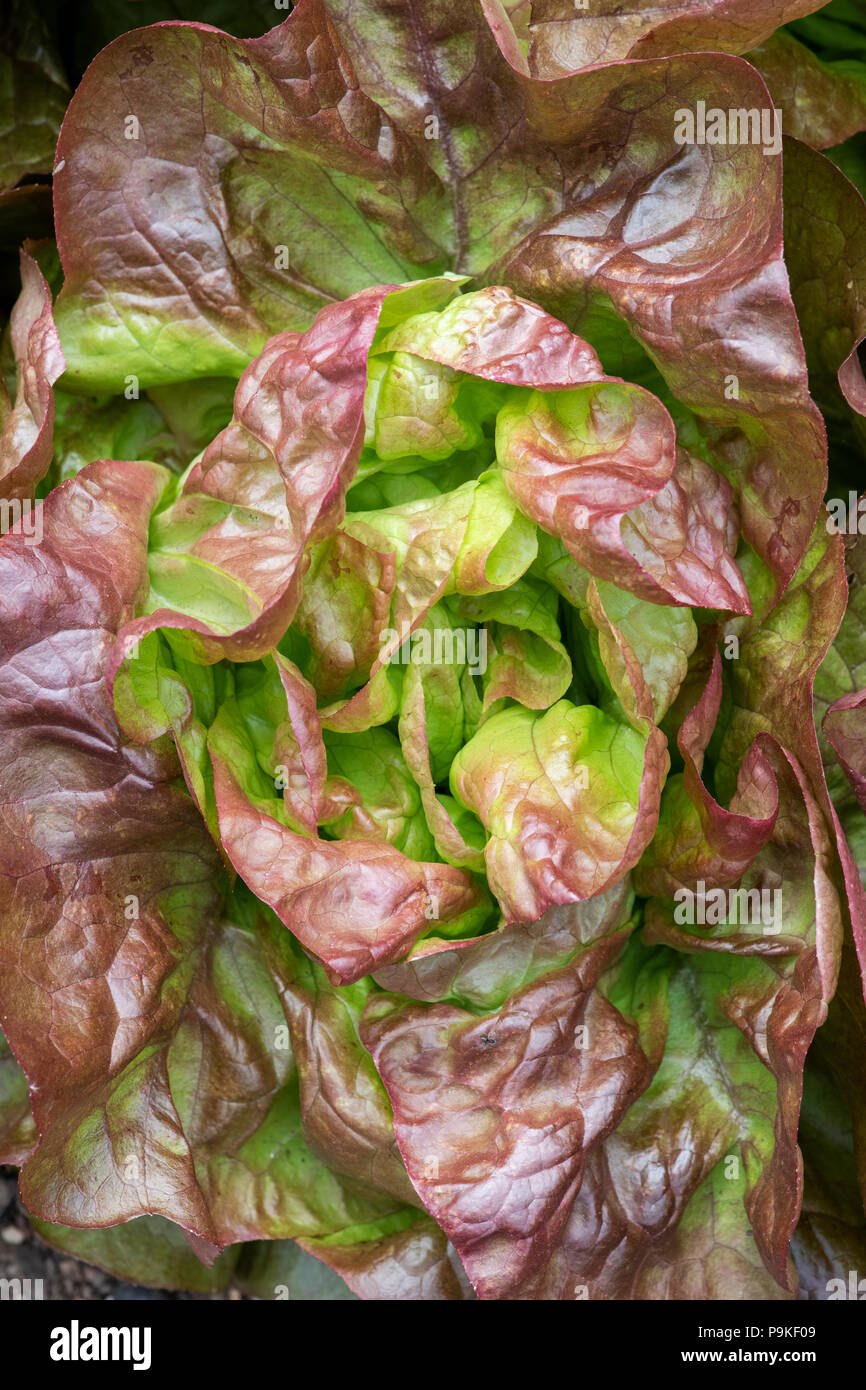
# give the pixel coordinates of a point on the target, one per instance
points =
(401, 614)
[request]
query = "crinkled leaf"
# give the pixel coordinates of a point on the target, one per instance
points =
(569, 811)
(643, 648)
(495, 1115)
(671, 1203)
(487, 156)
(344, 607)
(608, 32)
(596, 466)
(354, 903)
(783, 926)
(389, 808)
(771, 683)
(414, 1264)
(280, 114)
(346, 1113)
(839, 684)
(480, 975)
(438, 710)
(523, 657)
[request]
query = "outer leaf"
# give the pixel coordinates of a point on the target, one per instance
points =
(26, 437)
(844, 728)
(495, 1116)
(281, 112)
(790, 961)
(242, 1107)
(841, 1043)
(481, 975)
(820, 104)
(563, 41)
(417, 1263)
(87, 575)
(771, 684)
(691, 261)
(346, 1114)
(33, 96)
(661, 1212)
(281, 1269)
(825, 251)
(146, 1023)
(147, 1250)
(830, 1240)
(17, 1131)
